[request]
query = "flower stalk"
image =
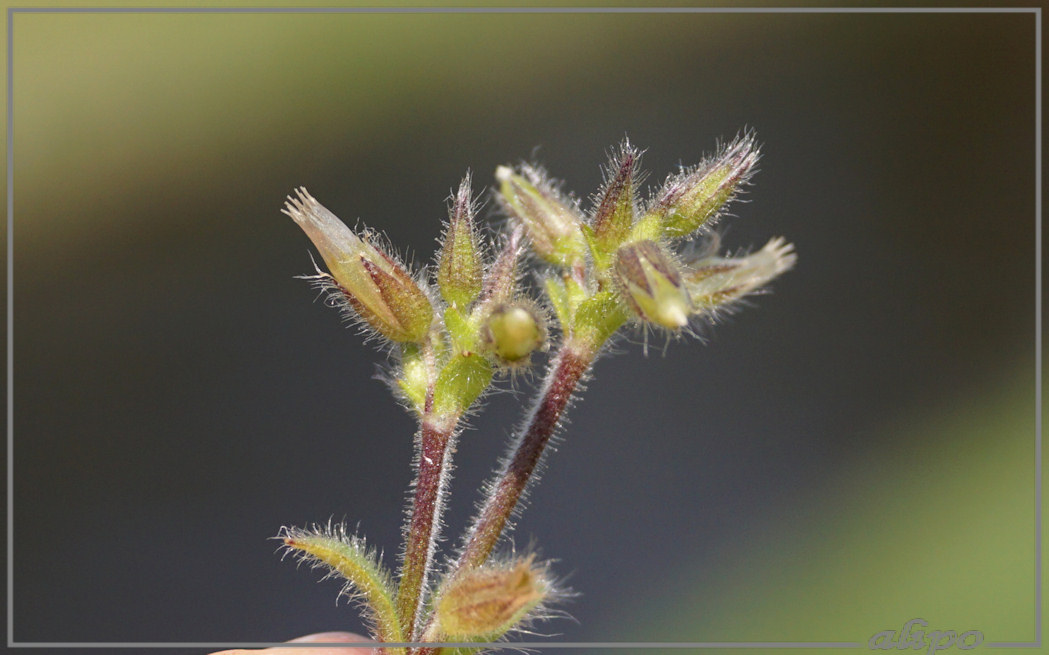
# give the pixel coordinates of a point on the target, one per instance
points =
(436, 443)
(506, 490)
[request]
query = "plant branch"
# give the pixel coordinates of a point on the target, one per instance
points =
(436, 444)
(565, 372)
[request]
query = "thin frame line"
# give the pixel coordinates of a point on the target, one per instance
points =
(10, 326)
(529, 10)
(519, 10)
(497, 645)
(1038, 324)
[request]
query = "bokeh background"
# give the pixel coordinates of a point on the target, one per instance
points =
(852, 451)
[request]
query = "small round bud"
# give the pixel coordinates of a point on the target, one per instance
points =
(513, 331)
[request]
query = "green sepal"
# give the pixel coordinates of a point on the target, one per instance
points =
(598, 317)
(558, 295)
(412, 379)
(460, 265)
(648, 228)
(703, 201)
(462, 380)
(461, 330)
(600, 252)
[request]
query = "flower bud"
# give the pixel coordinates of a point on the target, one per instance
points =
(500, 282)
(374, 284)
(489, 601)
(650, 283)
(552, 224)
(694, 197)
(614, 215)
(512, 332)
(460, 265)
(714, 281)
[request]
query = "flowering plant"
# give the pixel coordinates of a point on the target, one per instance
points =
(454, 330)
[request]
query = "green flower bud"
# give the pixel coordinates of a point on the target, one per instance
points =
(460, 264)
(650, 283)
(374, 284)
(694, 197)
(553, 225)
(512, 332)
(489, 601)
(614, 215)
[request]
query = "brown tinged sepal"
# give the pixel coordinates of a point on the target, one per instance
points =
(376, 286)
(501, 279)
(615, 211)
(484, 603)
(460, 264)
(551, 222)
(695, 197)
(651, 284)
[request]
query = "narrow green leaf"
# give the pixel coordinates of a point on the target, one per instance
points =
(346, 556)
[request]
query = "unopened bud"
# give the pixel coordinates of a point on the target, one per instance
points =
(650, 283)
(375, 285)
(512, 332)
(500, 282)
(714, 281)
(460, 267)
(553, 225)
(614, 215)
(693, 198)
(489, 601)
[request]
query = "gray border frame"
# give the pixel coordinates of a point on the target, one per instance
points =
(11, 11)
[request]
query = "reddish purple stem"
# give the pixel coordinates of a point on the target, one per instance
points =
(564, 374)
(430, 483)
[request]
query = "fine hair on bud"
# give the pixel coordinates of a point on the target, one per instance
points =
(512, 331)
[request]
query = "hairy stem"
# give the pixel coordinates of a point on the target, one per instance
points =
(565, 371)
(436, 444)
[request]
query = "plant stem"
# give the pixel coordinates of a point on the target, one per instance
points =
(436, 444)
(567, 368)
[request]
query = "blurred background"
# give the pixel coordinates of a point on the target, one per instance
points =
(849, 452)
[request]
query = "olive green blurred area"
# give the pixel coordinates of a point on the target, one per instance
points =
(852, 451)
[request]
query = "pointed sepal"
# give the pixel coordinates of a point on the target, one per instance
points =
(615, 211)
(460, 266)
(695, 197)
